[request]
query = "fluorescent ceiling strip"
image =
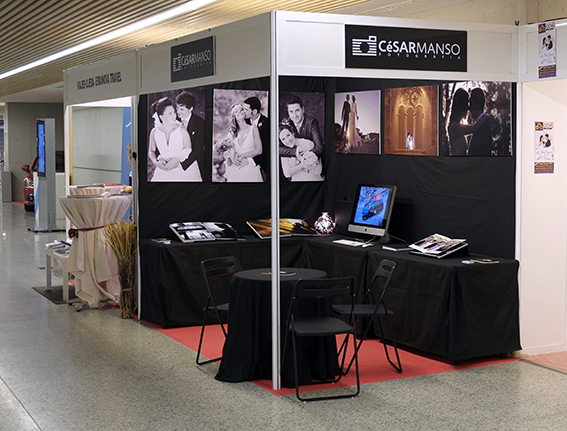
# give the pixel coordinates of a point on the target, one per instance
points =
(179, 10)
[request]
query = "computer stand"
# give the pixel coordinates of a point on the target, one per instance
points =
(373, 239)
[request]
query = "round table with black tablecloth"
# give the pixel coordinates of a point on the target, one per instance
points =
(247, 352)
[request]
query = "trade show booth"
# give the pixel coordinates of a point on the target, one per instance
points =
(386, 98)
(99, 98)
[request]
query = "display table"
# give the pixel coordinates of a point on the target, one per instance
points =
(173, 288)
(91, 262)
(247, 352)
(442, 306)
(448, 308)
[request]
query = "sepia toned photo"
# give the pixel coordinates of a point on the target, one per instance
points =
(357, 122)
(241, 136)
(176, 135)
(411, 121)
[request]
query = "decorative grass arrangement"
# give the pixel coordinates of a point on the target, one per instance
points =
(121, 237)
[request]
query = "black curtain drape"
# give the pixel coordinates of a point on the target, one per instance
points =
(461, 197)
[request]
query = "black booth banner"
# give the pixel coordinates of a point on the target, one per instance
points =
(301, 138)
(369, 47)
(477, 119)
(176, 135)
(357, 122)
(411, 121)
(193, 59)
(241, 136)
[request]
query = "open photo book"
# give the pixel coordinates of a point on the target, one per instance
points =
(193, 231)
(288, 227)
(438, 245)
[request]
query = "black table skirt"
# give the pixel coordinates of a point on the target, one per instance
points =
(247, 352)
(448, 308)
(442, 306)
(173, 288)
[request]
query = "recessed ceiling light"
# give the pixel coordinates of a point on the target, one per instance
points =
(179, 10)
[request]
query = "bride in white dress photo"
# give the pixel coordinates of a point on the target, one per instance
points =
(169, 145)
(245, 144)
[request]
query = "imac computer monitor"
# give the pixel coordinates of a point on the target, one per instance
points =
(372, 210)
(41, 148)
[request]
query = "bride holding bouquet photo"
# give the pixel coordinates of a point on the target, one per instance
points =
(240, 147)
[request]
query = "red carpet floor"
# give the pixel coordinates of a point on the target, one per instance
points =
(373, 364)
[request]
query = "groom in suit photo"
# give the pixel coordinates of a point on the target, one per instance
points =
(305, 126)
(254, 115)
(195, 126)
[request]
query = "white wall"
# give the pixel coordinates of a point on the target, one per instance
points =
(97, 145)
(543, 223)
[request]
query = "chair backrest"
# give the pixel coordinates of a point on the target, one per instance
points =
(219, 268)
(383, 273)
(324, 287)
(321, 288)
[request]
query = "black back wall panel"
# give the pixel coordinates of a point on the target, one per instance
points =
(472, 198)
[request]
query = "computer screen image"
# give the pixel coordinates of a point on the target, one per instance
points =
(372, 210)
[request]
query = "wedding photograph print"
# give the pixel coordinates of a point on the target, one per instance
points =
(176, 135)
(357, 122)
(241, 136)
(477, 119)
(411, 121)
(301, 131)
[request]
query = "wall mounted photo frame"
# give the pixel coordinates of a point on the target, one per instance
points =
(411, 121)
(240, 136)
(301, 136)
(476, 119)
(357, 122)
(176, 135)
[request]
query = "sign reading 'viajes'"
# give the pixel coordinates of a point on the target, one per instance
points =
(369, 47)
(193, 60)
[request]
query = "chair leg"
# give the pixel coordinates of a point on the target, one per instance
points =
(357, 347)
(206, 311)
(296, 374)
(399, 366)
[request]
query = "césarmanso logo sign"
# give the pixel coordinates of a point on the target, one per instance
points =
(192, 60)
(405, 48)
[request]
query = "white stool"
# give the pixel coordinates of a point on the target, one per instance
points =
(63, 258)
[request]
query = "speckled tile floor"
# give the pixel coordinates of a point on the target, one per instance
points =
(66, 371)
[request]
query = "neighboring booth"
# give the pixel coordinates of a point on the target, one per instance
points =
(98, 118)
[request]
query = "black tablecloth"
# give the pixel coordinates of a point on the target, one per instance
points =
(456, 310)
(247, 352)
(442, 306)
(173, 288)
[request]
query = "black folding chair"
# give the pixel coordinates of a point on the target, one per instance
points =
(217, 272)
(299, 326)
(372, 308)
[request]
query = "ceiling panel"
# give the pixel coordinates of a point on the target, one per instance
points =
(33, 29)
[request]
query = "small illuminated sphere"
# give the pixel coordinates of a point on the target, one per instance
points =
(325, 224)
